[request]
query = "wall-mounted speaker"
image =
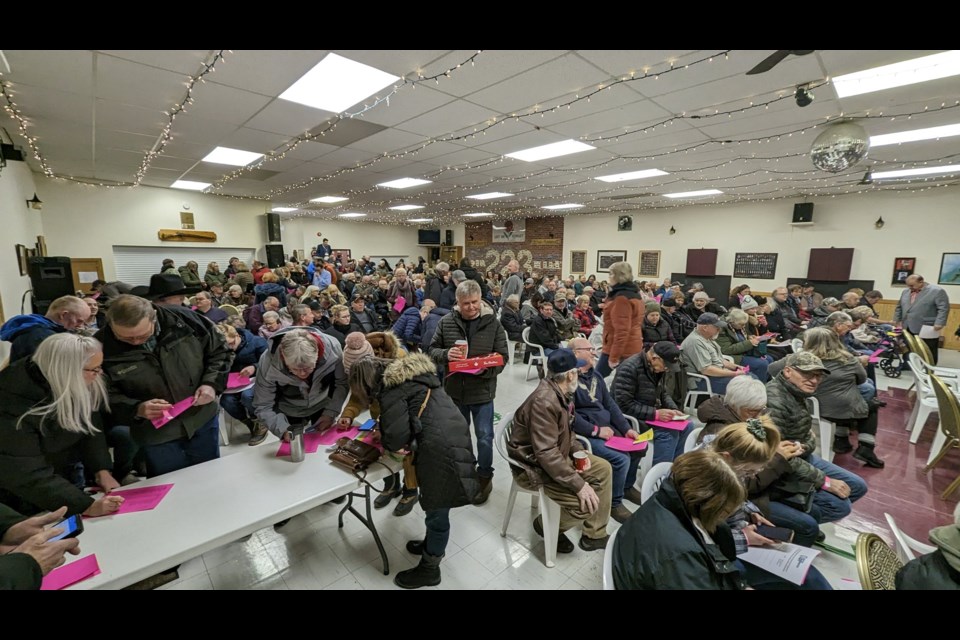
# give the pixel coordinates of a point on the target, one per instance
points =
(275, 256)
(803, 213)
(273, 227)
(50, 278)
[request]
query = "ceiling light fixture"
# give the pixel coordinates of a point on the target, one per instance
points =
(922, 171)
(351, 215)
(553, 150)
(404, 183)
(407, 207)
(420, 220)
(557, 207)
(930, 133)
(693, 194)
(899, 74)
(329, 199)
(190, 185)
(233, 157)
(489, 196)
(803, 96)
(336, 83)
(632, 175)
(283, 209)
(477, 215)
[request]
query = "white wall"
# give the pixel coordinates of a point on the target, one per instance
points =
(362, 238)
(86, 222)
(921, 225)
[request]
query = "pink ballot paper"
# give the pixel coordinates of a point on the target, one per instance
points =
(875, 356)
(311, 443)
(627, 445)
(400, 304)
(768, 336)
(676, 425)
(235, 380)
(173, 412)
(141, 499)
(72, 573)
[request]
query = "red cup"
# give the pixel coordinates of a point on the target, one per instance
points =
(580, 460)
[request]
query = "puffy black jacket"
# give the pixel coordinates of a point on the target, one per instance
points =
(434, 289)
(928, 572)
(448, 297)
(472, 274)
(544, 332)
(653, 333)
(715, 415)
(680, 324)
(190, 352)
(638, 391)
(439, 438)
(249, 352)
(429, 328)
(691, 311)
(31, 453)
(512, 323)
(486, 337)
(659, 548)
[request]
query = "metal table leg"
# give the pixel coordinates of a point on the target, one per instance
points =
(367, 522)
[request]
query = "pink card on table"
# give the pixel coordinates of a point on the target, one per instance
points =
(173, 412)
(399, 305)
(142, 498)
(235, 380)
(676, 425)
(627, 445)
(311, 443)
(72, 573)
(331, 435)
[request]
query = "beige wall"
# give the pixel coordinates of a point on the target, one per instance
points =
(921, 225)
(362, 238)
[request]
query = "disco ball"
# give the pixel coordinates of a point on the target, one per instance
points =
(840, 147)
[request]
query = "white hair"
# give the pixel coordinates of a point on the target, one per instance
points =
(467, 288)
(737, 317)
(838, 317)
(299, 349)
(744, 392)
(621, 272)
(61, 359)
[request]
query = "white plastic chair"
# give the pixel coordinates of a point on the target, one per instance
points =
(926, 402)
(653, 480)
(225, 427)
(692, 399)
(905, 544)
(512, 350)
(549, 510)
(827, 429)
(537, 356)
(647, 460)
(608, 563)
(691, 442)
(797, 345)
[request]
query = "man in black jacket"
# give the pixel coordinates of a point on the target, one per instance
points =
(158, 359)
(543, 330)
(27, 548)
(472, 274)
(448, 298)
(361, 318)
(475, 322)
(436, 283)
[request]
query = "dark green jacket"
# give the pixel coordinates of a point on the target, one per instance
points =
(729, 346)
(190, 352)
(17, 570)
(190, 278)
(488, 337)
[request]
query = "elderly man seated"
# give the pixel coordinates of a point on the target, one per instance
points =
(701, 354)
(542, 442)
(544, 330)
(782, 318)
(701, 304)
(819, 315)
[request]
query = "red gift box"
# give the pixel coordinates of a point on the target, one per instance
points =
(476, 363)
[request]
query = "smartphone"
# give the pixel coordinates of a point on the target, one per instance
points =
(780, 534)
(368, 425)
(72, 527)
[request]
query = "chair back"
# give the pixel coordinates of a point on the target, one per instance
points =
(949, 408)
(877, 563)
(608, 563)
(653, 480)
(797, 345)
(230, 310)
(905, 544)
(691, 442)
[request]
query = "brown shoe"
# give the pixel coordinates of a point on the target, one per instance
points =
(633, 495)
(259, 433)
(593, 544)
(486, 486)
(620, 513)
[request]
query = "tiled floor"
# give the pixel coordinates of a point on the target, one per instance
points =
(310, 552)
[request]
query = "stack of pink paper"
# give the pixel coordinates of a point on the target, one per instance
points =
(236, 381)
(173, 412)
(627, 445)
(141, 498)
(72, 573)
(676, 425)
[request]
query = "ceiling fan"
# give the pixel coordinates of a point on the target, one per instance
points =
(776, 58)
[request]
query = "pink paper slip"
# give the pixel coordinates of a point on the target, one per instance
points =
(311, 443)
(746, 369)
(173, 412)
(400, 304)
(331, 435)
(72, 573)
(235, 381)
(875, 356)
(626, 445)
(768, 336)
(141, 499)
(676, 425)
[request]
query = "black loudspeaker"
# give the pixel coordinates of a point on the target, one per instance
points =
(50, 278)
(273, 227)
(803, 212)
(449, 236)
(434, 254)
(275, 256)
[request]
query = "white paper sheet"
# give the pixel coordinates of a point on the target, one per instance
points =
(789, 561)
(87, 277)
(927, 332)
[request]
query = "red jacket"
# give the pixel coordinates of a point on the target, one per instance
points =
(623, 315)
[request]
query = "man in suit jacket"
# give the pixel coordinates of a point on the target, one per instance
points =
(923, 304)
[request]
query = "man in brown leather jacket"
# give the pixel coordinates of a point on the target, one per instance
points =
(542, 441)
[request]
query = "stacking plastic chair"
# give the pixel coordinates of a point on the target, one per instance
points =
(691, 442)
(826, 430)
(653, 480)
(647, 461)
(906, 546)
(537, 356)
(949, 435)
(797, 345)
(926, 402)
(877, 563)
(230, 310)
(608, 563)
(693, 398)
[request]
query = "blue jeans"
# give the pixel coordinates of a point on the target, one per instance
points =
(483, 428)
(867, 390)
(805, 526)
(238, 405)
(757, 366)
(438, 532)
(185, 452)
(833, 508)
(766, 581)
(624, 467)
(668, 443)
(603, 365)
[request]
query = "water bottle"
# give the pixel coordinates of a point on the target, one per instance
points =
(296, 443)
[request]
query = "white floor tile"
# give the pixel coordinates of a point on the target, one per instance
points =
(462, 571)
(314, 571)
(529, 573)
(243, 572)
(359, 549)
(347, 583)
(196, 583)
(273, 583)
(496, 553)
(231, 551)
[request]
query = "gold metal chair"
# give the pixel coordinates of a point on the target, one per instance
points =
(877, 563)
(949, 408)
(229, 309)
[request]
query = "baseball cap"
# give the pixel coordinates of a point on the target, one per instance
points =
(806, 361)
(563, 360)
(669, 353)
(669, 302)
(528, 281)
(711, 319)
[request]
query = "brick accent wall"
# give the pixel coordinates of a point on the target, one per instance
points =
(540, 252)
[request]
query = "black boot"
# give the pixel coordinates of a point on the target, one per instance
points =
(425, 574)
(415, 547)
(866, 455)
(486, 486)
(841, 444)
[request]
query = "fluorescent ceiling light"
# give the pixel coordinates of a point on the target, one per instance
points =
(404, 183)
(477, 215)
(632, 175)
(922, 171)
(917, 134)
(693, 194)
(561, 148)
(283, 209)
(235, 157)
(407, 207)
(337, 83)
(489, 196)
(939, 65)
(190, 184)
(555, 207)
(420, 220)
(351, 215)
(329, 199)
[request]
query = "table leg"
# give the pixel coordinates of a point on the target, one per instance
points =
(367, 522)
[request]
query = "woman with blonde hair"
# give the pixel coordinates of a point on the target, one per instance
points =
(51, 407)
(213, 275)
(623, 313)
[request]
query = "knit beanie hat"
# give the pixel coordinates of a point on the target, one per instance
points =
(355, 348)
(748, 303)
(652, 307)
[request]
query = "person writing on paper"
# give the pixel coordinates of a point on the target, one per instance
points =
(742, 345)
(640, 390)
(598, 418)
(247, 349)
(50, 418)
(543, 453)
(156, 356)
(940, 569)
(26, 551)
(679, 538)
(623, 314)
(300, 379)
(701, 354)
(922, 310)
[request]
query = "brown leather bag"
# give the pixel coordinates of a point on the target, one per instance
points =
(354, 454)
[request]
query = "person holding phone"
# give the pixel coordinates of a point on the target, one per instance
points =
(30, 548)
(51, 408)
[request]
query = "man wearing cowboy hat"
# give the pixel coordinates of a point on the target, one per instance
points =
(165, 289)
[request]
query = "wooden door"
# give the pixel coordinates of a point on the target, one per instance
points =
(85, 271)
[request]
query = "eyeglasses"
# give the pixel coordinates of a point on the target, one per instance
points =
(96, 370)
(590, 349)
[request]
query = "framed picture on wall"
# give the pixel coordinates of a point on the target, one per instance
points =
(902, 269)
(649, 265)
(578, 261)
(950, 269)
(607, 258)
